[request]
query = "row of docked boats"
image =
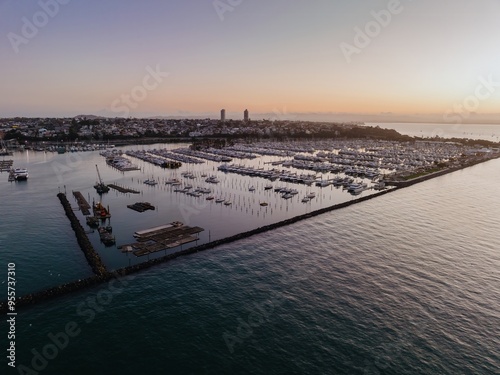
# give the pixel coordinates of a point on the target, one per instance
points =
(175, 156)
(148, 156)
(202, 155)
(227, 154)
(121, 163)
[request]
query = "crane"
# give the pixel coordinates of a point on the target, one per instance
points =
(100, 187)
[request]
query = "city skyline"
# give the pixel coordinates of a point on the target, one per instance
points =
(382, 61)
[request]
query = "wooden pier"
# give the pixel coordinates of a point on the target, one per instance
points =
(168, 237)
(123, 189)
(82, 203)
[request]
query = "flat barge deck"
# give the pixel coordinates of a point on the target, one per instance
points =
(162, 238)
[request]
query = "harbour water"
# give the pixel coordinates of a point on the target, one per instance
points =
(406, 283)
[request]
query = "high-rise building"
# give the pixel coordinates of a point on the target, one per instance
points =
(223, 115)
(245, 115)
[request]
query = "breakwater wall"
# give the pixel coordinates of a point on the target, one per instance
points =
(93, 258)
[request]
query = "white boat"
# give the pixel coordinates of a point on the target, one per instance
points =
(227, 203)
(21, 174)
(306, 199)
(219, 200)
(311, 195)
(252, 188)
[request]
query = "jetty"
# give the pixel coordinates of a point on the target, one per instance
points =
(124, 190)
(82, 203)
(93, 258)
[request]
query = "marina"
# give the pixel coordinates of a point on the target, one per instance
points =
(236, 206)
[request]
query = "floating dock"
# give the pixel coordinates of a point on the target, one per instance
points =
(141, 206)
(162, 238)
(5, 165)
(123, 189)
(82, 203)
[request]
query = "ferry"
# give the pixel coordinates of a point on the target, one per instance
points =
(21, 174)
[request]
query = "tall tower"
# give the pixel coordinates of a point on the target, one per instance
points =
(223, 115)
(245, 115)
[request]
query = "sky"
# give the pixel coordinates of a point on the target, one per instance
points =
(400, 60)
